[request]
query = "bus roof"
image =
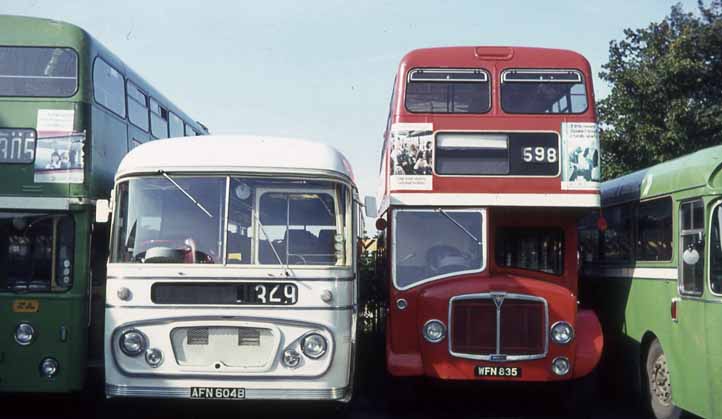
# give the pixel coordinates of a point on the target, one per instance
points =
(687, 172)
(465, 56)
(235, 153)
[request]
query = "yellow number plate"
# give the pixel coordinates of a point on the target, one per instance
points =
(26, 306)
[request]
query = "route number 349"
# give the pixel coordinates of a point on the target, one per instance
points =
(539, 154)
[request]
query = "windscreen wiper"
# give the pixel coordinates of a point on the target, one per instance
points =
(284, 266)
(461, 227)
(180, 188)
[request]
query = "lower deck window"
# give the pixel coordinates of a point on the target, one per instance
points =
(36, 252)
(535, 249)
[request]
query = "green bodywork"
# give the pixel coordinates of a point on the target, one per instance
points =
(635, 306)
(69, 325)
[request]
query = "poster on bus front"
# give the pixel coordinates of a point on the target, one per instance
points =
(581, 169)
(58, 150)
(411, 156)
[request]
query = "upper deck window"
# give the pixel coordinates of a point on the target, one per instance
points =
(109, 87)
(543, 91)
(443, 90)
(38, 72)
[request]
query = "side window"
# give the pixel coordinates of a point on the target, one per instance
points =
(108, 87)
(176, 125)
(617, 243)
(691, 238)
(589, 238)
(715, 252)
(158, 119)
(189, 131)
(137, 107)
(654, 223)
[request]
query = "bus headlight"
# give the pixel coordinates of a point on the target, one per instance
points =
(132, 343)
(560, 365)
(314, 345)
(49, 367)
(562, 333)
(24, 334)
(154, 357)
(291, 358)
(434, 331)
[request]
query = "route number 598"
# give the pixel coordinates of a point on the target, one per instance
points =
(539, 154)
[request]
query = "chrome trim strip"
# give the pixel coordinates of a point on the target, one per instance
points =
(498, 355)
(236, 279)
(664, 274)
(234, 306)
(338, 393)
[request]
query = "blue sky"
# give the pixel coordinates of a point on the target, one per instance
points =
(323, 70)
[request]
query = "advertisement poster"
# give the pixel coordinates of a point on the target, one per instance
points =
(580, 156)
(59, 150)
(411, 156)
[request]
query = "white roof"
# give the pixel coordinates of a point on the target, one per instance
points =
(234, 153)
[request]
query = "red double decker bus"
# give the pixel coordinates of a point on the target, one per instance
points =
(490, 156)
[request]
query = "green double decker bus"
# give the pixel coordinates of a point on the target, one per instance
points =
(69, 111)
(652, 269)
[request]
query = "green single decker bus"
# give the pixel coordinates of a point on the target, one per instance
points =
(652, 268)
(69, 111)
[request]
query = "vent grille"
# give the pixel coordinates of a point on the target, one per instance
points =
(197, 336)
(249, 336)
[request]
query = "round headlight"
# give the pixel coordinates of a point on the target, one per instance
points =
(560, 365)
(314, 345)
(24, 334)
(49, 367)
(291, 358)
(434, 331)
(132, 343)
(154, 357)
(562, 333)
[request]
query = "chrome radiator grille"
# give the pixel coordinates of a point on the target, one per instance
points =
(498, 326)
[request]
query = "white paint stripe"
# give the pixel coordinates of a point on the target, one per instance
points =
(642, 273)
(40, 203)
(500, 199)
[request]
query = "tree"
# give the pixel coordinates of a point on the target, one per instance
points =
(666, 95)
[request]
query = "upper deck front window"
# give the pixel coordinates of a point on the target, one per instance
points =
(180, 219)
(38, 72)
(543, 91)
(443, 90)
(435, 243)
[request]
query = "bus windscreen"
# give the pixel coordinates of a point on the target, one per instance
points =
(38, 72)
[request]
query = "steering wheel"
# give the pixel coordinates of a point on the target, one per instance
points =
(445, 258)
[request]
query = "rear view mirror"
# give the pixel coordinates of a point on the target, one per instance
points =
(370, 206)
(102, 211)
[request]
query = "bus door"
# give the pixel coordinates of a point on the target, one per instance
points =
(686, 356)
(713, 312)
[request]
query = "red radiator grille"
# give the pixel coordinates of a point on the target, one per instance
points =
(522, 327)
(474, 326)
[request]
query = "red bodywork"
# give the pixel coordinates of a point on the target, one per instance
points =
(408, 354)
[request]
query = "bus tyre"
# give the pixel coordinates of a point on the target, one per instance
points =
(656, 384)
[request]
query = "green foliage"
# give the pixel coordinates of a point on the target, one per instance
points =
(666, 96)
